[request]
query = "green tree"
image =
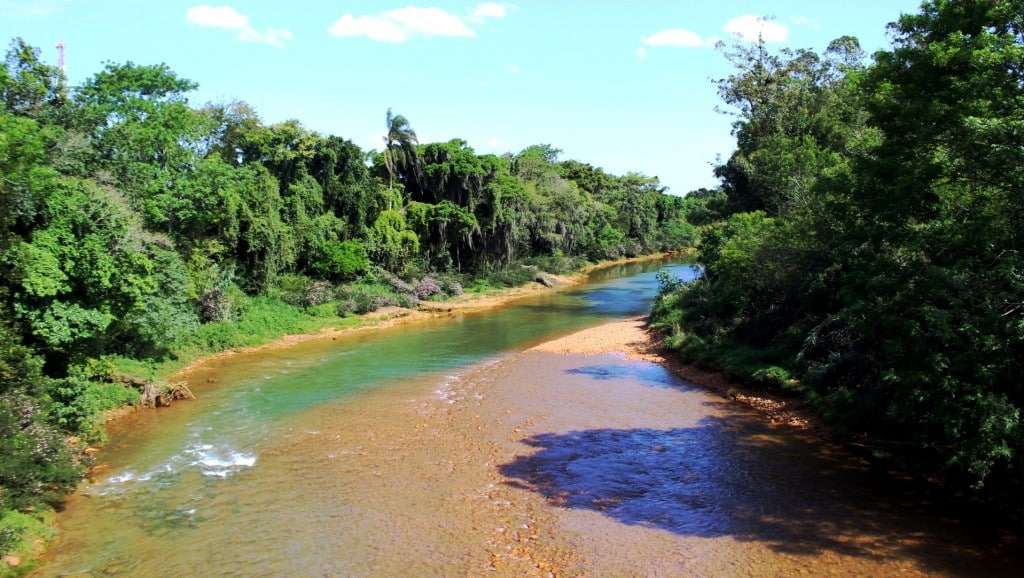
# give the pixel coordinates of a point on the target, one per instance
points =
(399, 146)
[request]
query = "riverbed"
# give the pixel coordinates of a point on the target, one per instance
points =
(458, 447)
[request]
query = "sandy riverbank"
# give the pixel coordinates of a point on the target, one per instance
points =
(582, 456)
(636, 341)
(586, 455)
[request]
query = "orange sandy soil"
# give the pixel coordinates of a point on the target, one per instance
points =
(633, 338)
(465, 482)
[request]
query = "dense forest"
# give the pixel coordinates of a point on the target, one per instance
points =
(865, 250)
(137, 228)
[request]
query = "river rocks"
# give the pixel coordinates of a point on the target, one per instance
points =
(546, 279)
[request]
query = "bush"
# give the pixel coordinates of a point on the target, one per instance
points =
(427, 288)
(214, 305)
(79, 402)
(35, 463)
(512, 276)
(341, 260)
(452, 288)
(318, 293)
(293, 289)
(771, 376)
(18, 531)
(391, 280)
(258, 320)
(361, 298)
(557, 263)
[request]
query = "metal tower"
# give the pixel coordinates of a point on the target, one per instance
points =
(60, 55)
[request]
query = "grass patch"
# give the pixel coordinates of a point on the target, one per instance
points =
(24, 535)
(259, 321)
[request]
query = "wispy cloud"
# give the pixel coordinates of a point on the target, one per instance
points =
(227, 18)
(31, 7)
(399, 25)
(490, 10)
(750, 28)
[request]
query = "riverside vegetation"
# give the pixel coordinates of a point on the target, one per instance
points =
(137, 231)
(866, 248)
(863, 250)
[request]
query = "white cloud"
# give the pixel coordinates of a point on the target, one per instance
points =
(402, 24)
(271, 36)
(31, 8)
(430, 21)
(227, 18)
(490, 10)
(372, 27)
(675, 37)
(749, 28)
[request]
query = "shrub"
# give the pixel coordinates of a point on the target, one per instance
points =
(557, 263)
(360, 298)
(79, 402)
(18, 531)
(771, 376)
(318, 293)
(427, 288)
(512, 276)
(452, 288)
(340, 260)
(35, 463)
(214, 305)
(391, 280)
(292, 289)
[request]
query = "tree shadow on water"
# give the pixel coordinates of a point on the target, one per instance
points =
(646, 373)
(731, 476)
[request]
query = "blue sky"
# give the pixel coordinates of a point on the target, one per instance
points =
(622, 84)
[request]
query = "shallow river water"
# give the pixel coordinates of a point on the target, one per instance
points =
(446, 448)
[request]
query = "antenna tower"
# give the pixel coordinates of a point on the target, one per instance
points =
(60, 55)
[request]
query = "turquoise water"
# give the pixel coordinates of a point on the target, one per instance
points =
(162, 463)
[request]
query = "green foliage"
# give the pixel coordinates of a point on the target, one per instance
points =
(500, 277)
(341, 260)
(260, 319)
(137, 227)
(360, 298)
(557, 263)
(869, 248)
(36, 466)
(79, 403)
(19, 531)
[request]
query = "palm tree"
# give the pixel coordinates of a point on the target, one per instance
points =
(399, 145)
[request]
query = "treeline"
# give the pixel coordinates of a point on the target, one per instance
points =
(866, 247)
(134, 225)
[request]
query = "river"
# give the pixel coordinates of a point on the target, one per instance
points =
(447, 447)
